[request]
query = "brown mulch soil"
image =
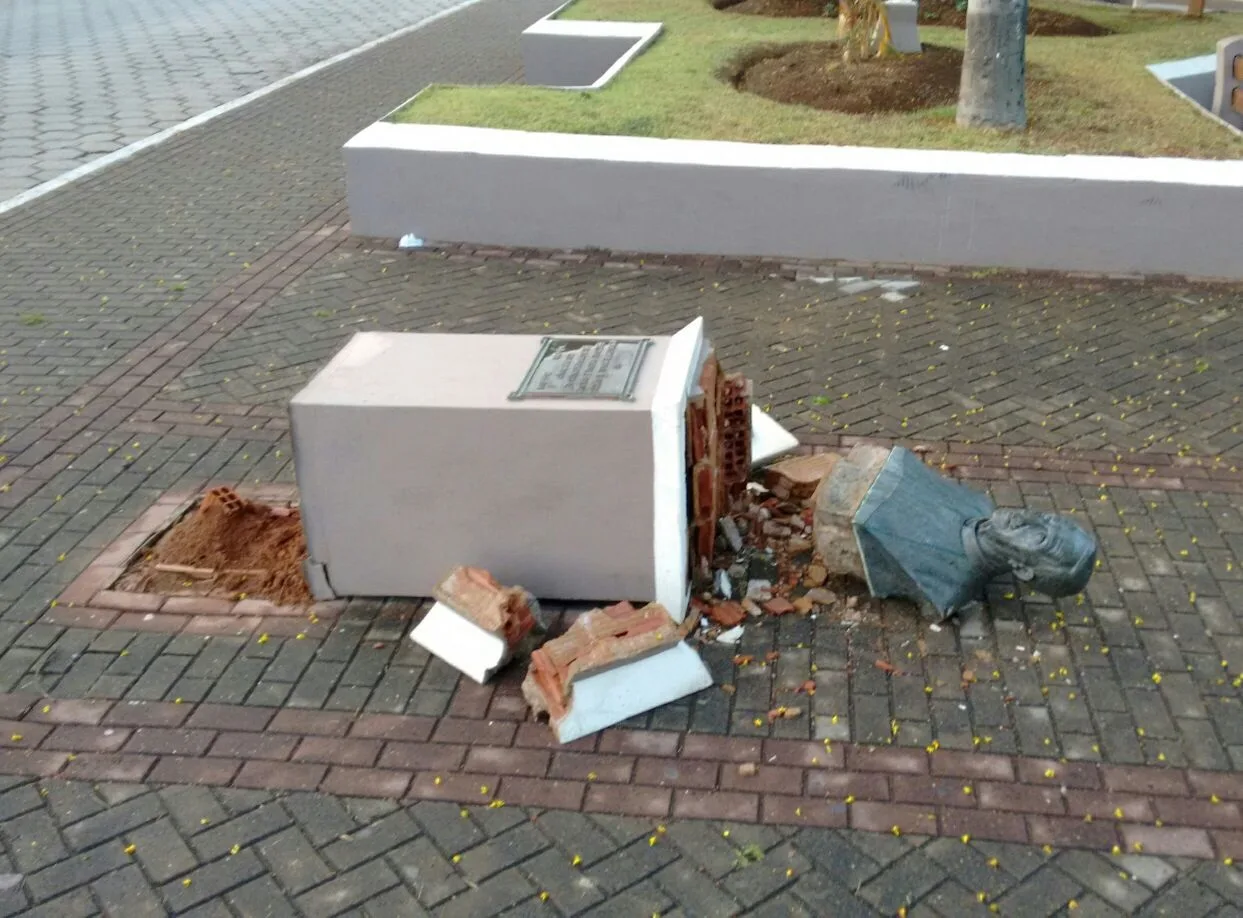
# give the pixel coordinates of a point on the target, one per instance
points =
(264, 546)
(1043, 23)
(792, 8)
(814, 75)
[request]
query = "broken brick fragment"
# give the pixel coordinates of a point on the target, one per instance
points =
(224, 499)
(799, 476)
(727, 614)
(598, 640)
(509, 612)
(778, 605)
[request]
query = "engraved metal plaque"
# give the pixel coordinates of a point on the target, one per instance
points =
(585, 368)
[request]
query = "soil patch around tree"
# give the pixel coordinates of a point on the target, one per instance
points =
(227, 548)
(776, 8)
(1040, 22)
(814, 74)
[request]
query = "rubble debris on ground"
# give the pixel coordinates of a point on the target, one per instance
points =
(227, 547)
(476, 624)
(798, 476)
(612, 663)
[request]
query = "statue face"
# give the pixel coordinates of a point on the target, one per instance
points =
(1044, 549)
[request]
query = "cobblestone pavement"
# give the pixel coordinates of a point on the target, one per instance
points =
(78, 80)
(155, 318)
(135, 851)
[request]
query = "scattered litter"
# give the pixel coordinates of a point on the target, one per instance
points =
(732, 636)
(410, 241)
(748, 769)
(784, 713)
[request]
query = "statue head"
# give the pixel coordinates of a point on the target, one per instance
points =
(1044, 550)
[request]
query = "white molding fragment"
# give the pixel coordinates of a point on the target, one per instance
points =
(581, 54)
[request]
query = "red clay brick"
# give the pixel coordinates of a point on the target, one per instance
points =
(1084, 775)
(16, 705)
(475, 732)
(1103, 805)
(882, 817)
(147, 714)
(543, 792)
(768, 779)
(217, 625)
(198, 605)
(1020, 798)
(393, 727)
(79, 617)
(676, 772)
(1007, 827)
(314, 723)
(698, 804)
(838, 785)
(721, 748)
(366, 782)
(508, 707)
(75, 738)
(232, 717)
(581, 766)
(422, 756)
(71, 711)
(1228, 844)
(639, 742)
(923, 789)
(1225, 784)
(887, 759)
(1139, 780)
(280, 775)
(22, 734)
(803, 755)
(108, 766)
(175, 769)
(125, 601)
(1167, 841)
(333, 750)
(150, 621)
(471, 700)
(778, 809)
(164, 741)
(977, 765)
(273, 746)
(531, 763)
(459, 788)
(532, 735)
(1069, 832)
(1199, 813)
(624, 800)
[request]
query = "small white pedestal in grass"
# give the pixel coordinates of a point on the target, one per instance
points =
(903, 25)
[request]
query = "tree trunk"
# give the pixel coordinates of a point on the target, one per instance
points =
(993, 91)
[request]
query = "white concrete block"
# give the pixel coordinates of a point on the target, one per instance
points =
(460, 643)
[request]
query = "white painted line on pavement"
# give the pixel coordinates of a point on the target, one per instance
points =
(117, 156)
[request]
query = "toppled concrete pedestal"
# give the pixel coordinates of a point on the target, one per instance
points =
(476, 624)
(612, 664)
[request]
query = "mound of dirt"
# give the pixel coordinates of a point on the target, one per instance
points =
(226, 548)
(1042, 23)
(813, 74)
(775, 8)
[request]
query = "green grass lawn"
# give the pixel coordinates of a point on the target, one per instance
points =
(1085, 95)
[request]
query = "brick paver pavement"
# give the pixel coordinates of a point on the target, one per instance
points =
(79, 80)
(155, 318)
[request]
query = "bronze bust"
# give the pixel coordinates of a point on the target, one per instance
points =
(912, 533)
